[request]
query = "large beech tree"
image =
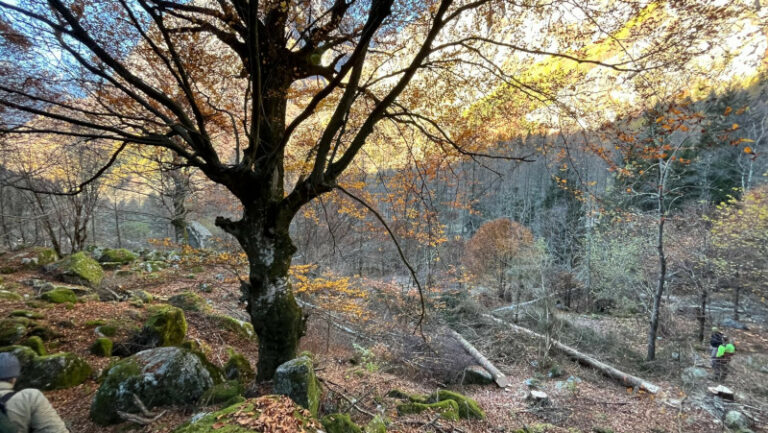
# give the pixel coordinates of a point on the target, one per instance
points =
(238, 88)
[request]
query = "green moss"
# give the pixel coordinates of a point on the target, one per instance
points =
(238, 368)
(225, 424)
(79, 268)
(43, 332)
(118, 255)
(24, 354)
(57, 371)
(107, 330)
(35, 343)
(239, 327)
(102, 347)
(448, 409)
(143, 295)
(5, 295)
(5, 270)
(377, 425)
(12, 330)
(215, 372)
(189, 301)
(398, 394)
(59, 296)
(102, 410)
(166, 326)
(46, 256)
(27, 314)
(94, 323)
(468, 408)
(222, 392)
(296, 379)
(339, 423)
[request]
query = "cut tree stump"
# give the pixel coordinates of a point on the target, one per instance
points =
(623, 378)
(498, 376)
(721, 391)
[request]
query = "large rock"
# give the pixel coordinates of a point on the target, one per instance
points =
(250, 417)
(693, 375)
(57, 371)
(166, 326)
(296, 379)
(189, 301)
(118, 255)
(13, 330)
(79, 268)
(59, 296)
(736, 420)
(199, 235)
(159, 377)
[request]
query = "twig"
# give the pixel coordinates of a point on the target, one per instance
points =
(351, 401)
(148, 416)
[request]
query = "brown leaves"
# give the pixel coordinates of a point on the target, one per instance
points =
(269, 414)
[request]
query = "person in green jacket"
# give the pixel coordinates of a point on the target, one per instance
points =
(27, 409)
(722, 358)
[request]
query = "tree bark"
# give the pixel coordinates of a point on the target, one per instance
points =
(498, 376)
(702, 313)
(622, 377)
(654, 322)
(276, 317)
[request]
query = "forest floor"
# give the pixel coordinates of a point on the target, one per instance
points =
(594, 404)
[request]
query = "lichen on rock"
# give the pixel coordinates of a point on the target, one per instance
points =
(296, 379)
(79, 268)
(57, 371)
(59, 296)
(448, 409)
(117, 255)
(159, 377)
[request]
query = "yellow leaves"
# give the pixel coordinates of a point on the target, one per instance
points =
(735, 126)
(727, 111)
(748, 150)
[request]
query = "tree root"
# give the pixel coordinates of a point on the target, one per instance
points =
(147, 417)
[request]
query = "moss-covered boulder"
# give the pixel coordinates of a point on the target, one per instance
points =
(59, 296)
(239, 327)
(339, 423)
(24, 354)
(46, 256)
(225, 392)
(238, 368)
(142, 295)
(296, 379)
(468, 408)
(166, 326)
(27, 314)
(159, 377)
(448, 409)
(79, 268)
(57, 371)
(152, 266)
(102, 347)
(106, 330)
(13, 330)
(120, 256)
(249, 417)
(6, 295)
(35, 343)
(189, 301)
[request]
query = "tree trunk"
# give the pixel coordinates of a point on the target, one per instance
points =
(179, 196)
(276, 317)
(654, 324)
(736, 296)
(702, 313)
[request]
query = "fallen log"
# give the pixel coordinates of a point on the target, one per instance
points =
(623, 378)
(498, 376)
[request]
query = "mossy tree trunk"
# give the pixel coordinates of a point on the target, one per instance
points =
(276, 317)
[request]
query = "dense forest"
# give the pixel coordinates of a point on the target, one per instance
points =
(443, 216)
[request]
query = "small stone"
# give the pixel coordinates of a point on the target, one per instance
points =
(538, 397)
(532, 382)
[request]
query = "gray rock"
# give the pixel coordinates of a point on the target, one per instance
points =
(532, 382)
(296, 379)
(736, 420)
(159, 377)
(734, 324)
(29, 261)
(692, 375)
(476, 375)
(199, 235)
